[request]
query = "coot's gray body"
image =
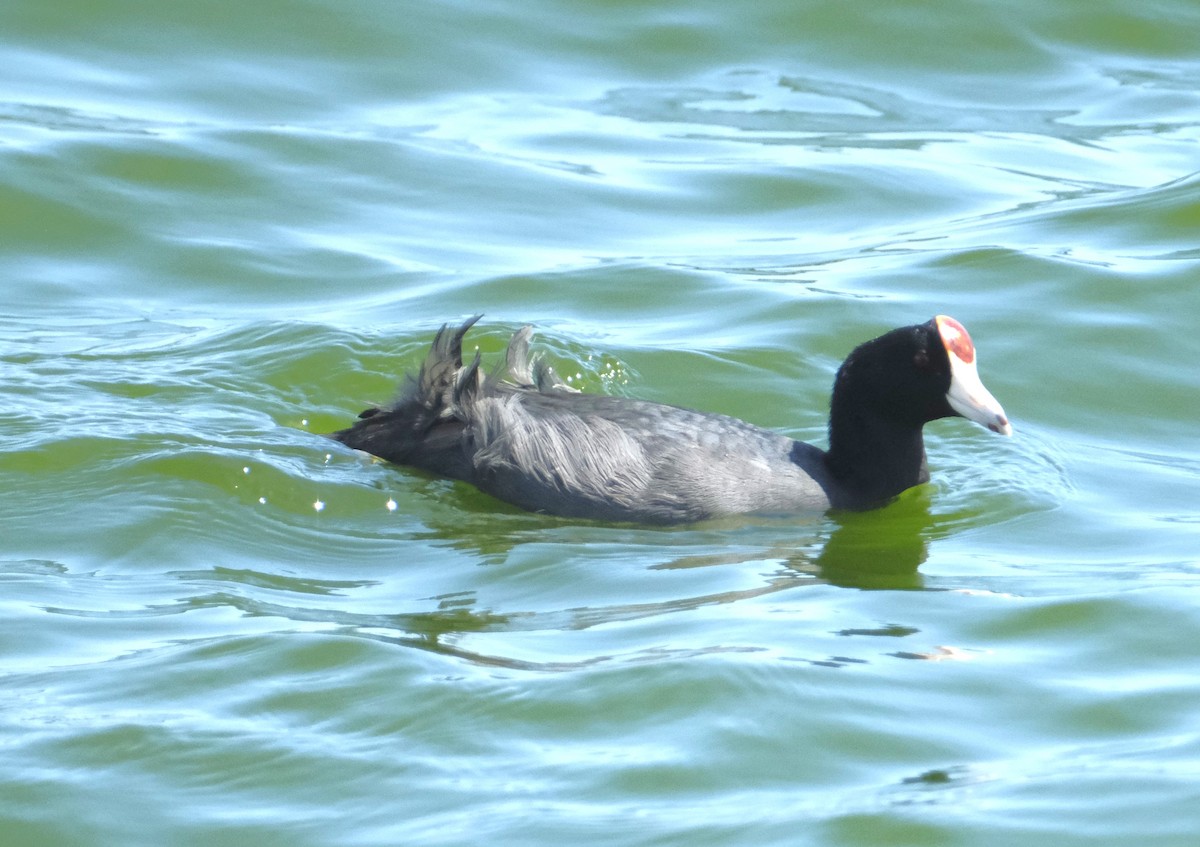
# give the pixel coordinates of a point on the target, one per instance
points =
(524, 437)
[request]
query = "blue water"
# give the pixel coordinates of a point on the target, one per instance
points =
(226, 229)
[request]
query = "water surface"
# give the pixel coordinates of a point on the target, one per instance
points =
(229, 228)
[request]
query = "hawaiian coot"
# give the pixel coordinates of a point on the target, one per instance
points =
(522, 436)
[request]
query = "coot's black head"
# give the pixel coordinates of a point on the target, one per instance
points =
(913, 375)
(885, 392)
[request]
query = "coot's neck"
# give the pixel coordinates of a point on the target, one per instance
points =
(873, 459)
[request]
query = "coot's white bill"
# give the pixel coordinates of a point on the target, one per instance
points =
(967, 395)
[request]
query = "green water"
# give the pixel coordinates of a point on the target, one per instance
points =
(226, 228)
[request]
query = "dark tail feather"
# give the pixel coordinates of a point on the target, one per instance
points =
(394, 432)
(516, 364)
(440, 369)
(425, 426)
(519, 369)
